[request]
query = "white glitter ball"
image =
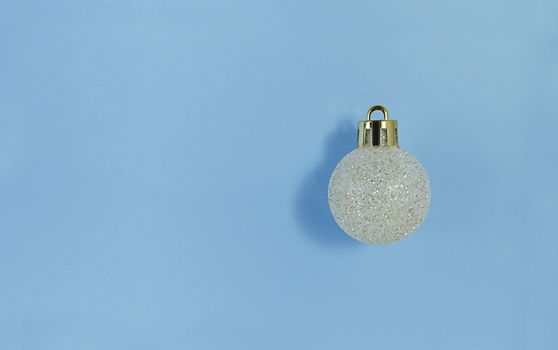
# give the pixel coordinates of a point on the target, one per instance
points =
(379, 195)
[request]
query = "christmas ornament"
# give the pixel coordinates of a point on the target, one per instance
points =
(378, 193)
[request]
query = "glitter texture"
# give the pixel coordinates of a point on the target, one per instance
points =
(379, 195)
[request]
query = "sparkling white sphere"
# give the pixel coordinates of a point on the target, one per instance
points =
(379, 195)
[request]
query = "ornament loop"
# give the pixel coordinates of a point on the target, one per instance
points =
(378, 108)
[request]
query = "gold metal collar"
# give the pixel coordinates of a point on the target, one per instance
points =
(377, 133)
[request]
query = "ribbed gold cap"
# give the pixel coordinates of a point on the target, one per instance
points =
(377, 133)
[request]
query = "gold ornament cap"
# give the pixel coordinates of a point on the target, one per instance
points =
(377, 133)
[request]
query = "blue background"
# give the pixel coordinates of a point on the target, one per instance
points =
(164, 165)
